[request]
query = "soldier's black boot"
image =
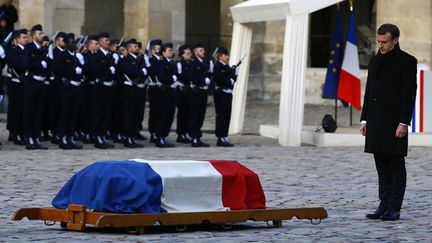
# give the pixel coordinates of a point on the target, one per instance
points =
(222, 142)
(19, 140)
(63, 143)
(128, 143)
(99, 143)
(378, 212)
(39, 145)
(138, 145)
(30, 145)
(168, 144)
(73, 144)
(56, 139)
(87, 139)
(153, 138)
(109, 145)
(160, 143)
(118, 138)
(183, 139)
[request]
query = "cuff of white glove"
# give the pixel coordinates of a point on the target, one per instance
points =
(44, 64)
(207, 81)
(112, 70)
(144, 71)
(232, 81)
(363, 122)
(403, 124)
(78, 70)
(174, 78)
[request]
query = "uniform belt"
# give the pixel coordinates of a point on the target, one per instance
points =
(16, 80)
(91, 82)
(108, 83)
(75, 83)
(128, 83)
(46, 82)
(227, 91)
(141, 86)
(38, 78)
(200, 87)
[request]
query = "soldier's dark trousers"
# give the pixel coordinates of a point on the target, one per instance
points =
(391, 179)
(117, 111)
(183, 103)
(69, 109)
(198, 106)
(85, 110)
(142, 95)
(223, 113)
(15, 106)
(165, 116)
(130, 110)
(32, 107)
(153, 93)
(101, 109)
(45, 108)
(54, 97)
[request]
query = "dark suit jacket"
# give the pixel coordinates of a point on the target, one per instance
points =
(389, 100)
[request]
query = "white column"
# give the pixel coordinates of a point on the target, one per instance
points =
(293, 75)
(240, 45)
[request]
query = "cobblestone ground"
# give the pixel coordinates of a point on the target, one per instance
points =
(343, 180)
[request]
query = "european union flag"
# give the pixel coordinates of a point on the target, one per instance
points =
(335, 61)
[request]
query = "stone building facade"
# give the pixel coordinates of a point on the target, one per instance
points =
(210, 22)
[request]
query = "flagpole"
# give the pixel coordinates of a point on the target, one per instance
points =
(351, 9)
(336, 98)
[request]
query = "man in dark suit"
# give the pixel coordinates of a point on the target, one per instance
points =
(388, 105)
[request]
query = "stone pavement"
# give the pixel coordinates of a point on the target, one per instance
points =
(343, 180)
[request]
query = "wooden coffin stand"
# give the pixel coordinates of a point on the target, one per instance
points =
(77, 217)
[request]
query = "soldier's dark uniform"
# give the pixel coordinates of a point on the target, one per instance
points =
(16, 60)
(54, 91)
(166, 74)
(200, 81)
(183, 101)
(86, 94)
(103, 67)
(115, 129)
(153, 91)
(70, 71)
(224, 78)
(33, 88)
(134, 74)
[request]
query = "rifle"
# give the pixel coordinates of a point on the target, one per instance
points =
(7, 39)
(240, 61)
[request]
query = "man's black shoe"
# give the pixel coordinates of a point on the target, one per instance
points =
(160, 143)
(19, 140)
(377, 214)
(87, 139)
(55, 140)
(118, 138)
(101, 145)
(183, 139)
(30, 146)
(153, 139)
(40, 146)
(196, 143)
(390, 215)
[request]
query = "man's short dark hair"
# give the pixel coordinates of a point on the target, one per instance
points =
(389, 28)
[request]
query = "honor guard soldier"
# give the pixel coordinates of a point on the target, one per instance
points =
(70, 70)
(104, 87)
(200, 81)
(33, 89)
(224, 78)
(153, 90)
(17, 65)
(115, 128)
(183, 101)
(55, 85)
(143, 94)
(166, 75)
(132, 68)
(92, 46)
(45, 136)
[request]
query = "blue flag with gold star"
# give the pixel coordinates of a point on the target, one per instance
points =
(335, 61)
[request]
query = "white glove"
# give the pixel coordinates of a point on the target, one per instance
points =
(1, 98)
(179, 68)
(80, 58)
(116, 58)
(50, 52)
(174, 78)
(232, 81)
(211, 66)
(144, 71)
(237, 70)
(44, 64)
(2, 53)
(147, 60)
(207, 81)
(112, 70)
(78, 70)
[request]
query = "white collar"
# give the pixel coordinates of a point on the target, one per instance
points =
(61, 49)
(157, 57)
(222, 62)
(133, 55)
(38, 46)
(21, 46)
(199, 59)
(104, 51)
(72, 53)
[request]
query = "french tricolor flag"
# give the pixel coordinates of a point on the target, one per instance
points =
(349, 89)
(422, 115)
(151, 186)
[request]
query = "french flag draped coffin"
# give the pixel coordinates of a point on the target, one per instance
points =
(143, 186)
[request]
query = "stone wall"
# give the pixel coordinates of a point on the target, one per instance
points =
(414, 19)
(167, 20)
